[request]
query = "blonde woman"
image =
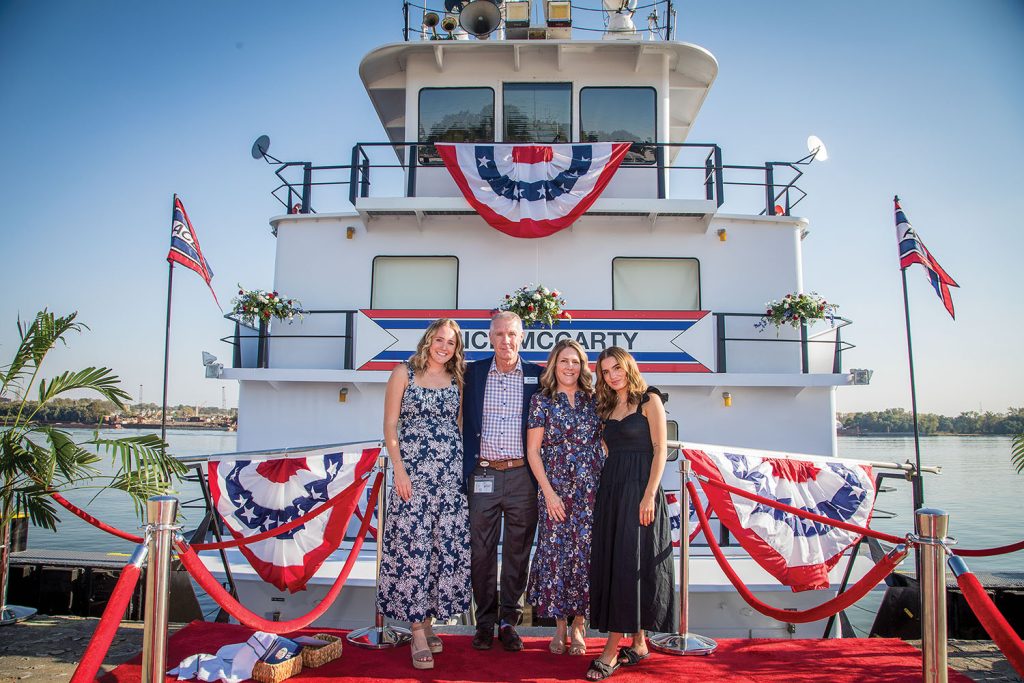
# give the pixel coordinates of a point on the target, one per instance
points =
(424, 574)
(563, 447)
(631, 572)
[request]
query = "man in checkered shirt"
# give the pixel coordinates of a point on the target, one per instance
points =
(502, 491)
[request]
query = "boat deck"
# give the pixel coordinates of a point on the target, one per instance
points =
(49, 648)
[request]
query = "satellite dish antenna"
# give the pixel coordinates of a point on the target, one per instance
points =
(480, 17)
(817, 148)
(261, 147)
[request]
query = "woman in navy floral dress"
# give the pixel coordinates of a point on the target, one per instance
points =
(424, 573)
(563, 447)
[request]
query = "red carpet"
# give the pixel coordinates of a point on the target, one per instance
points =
(880, 660)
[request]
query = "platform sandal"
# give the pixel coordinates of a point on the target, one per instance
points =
(421, 659)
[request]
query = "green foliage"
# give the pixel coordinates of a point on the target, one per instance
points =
(37, 458)
(1017, 453)
(898, 420)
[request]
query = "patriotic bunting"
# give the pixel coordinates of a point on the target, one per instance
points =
(253, 496)
(532, 190)
(796, 551)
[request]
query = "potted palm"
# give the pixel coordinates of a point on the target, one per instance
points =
(37, 459)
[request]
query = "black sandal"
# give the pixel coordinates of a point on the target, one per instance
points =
(602, 670)
(630, 657)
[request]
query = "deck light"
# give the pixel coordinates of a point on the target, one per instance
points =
(558, 13)
(517, 14)
(727, 399)
(342, 394)
(722, 235)
(350, 232)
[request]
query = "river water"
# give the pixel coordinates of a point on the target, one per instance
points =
(978, 487)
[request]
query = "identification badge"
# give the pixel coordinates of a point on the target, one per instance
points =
(483, 484)
(529, 380)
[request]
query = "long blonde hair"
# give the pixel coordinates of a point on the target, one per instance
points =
(635, 384)
(548, 379)
(456, 365)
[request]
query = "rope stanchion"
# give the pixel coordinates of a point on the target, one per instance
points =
(101, 639)
(988, 552)
(822, 611)
(208, 583)
(276, 531)
(102, 526)
(998, 629)
(822, 519)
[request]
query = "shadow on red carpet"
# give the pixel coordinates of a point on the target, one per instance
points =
(880, 660)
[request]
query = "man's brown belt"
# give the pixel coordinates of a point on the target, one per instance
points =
(502, 465)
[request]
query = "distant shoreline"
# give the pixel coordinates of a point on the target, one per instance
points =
(186, 426)
(882, 434)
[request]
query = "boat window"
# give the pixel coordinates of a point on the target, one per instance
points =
(621, 115)
(415, 282)
(657, 284)
(454, 115)
(538, 112)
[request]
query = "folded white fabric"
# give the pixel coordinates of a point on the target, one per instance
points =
(231, 664)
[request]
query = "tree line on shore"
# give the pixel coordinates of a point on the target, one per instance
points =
(900, 420)
(96, 412)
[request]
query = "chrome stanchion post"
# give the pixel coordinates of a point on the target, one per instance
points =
(380, 635)
(161, 512)
(931, 526)
(683, 642)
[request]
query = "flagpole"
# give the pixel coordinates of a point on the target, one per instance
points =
(917, 480)
(167, 339)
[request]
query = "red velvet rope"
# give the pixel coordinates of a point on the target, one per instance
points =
(888, 538)
(987, 552)
(103, 526)
(99, 644)
(995, 624)
(276, 531)
(208, 583)
(822, 611)
(372, 529)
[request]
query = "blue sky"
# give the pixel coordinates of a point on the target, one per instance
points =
(110, 107)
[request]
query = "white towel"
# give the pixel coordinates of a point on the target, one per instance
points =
(231, 664)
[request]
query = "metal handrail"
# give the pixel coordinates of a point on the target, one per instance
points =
(262, 336)
(838, 344)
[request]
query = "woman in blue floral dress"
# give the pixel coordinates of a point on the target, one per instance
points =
(563, 447)
(424, 573)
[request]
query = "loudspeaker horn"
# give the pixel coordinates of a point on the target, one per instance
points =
(449, 23)
(430, 19)
(480, 17)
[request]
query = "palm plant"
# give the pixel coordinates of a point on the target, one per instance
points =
(37, 459)
(1017, 453)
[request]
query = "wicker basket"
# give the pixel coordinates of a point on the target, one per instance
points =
(275, 673)
(313, 656)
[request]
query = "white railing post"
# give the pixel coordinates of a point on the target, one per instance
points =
(161, 513)
(684, 642)
(931, 526)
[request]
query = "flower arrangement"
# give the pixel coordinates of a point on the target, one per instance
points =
(253, 306)
(536, 305)
(796, 308)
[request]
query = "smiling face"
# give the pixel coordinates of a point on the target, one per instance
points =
(506, 335)
(567, 369)
(613, 374)
(443, 345)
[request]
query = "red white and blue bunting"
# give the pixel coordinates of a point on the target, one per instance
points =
(532, 190)
(253, 496)
(796, 551)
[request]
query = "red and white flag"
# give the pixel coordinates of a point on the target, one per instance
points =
(532, 190)
(796, 551)
(253, 496)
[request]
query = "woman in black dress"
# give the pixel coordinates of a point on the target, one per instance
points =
(631, 570)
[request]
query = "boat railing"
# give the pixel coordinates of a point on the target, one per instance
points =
(651, 170)
(326, 339)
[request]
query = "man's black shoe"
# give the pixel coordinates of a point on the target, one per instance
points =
(484, 638)
(510, 640)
